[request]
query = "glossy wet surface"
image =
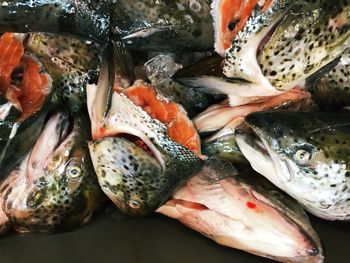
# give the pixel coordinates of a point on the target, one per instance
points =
(113, 237)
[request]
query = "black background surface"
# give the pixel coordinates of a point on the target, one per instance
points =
(113, 237)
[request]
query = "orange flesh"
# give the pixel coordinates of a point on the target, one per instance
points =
(237, 10)
(34, 87)
(179, 127)
(230, 11)
(11, 52)
(31, 92)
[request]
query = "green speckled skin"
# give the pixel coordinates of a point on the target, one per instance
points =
(134, 180)
(62, 196)
(87, 19)
(72, 63)
(310, 36)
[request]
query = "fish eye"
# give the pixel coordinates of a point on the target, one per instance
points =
(134, 204)
(73, 172)
(195, 6)
(302, 156)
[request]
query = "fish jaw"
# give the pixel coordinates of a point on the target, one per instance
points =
(241, 58)
(320, 182)
(129, 176)
(237, 215)
(54, 131)
(132, 178)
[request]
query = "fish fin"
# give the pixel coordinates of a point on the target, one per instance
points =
(206, 84)
(321, 72)
(107, 75)
(144, 32)
(123, 60)
(215, 170)
(212, 66)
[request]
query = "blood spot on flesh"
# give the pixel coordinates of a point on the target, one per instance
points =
(102, 131)
(251, 205)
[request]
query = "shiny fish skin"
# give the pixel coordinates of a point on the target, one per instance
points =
(72, 63)
(307, 158)
(165, 25)
(54, 188)
(172, 163)
(310, 36)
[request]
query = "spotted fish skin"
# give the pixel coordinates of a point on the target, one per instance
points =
(71, 62)
(307, 158)
(54, 189)
(239, 62)
(150, 180)
(333, 90)
(310, 36)
(165, 25)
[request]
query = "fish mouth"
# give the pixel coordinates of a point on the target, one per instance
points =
(104, 102)
(312, 252)
(49, 151)
(253, 212)
(263, 159)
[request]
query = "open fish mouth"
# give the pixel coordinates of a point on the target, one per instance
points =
(137, 149)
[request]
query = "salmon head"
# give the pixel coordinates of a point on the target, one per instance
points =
(137, 161)
(304, 154)
(245, 211)
(54, 188)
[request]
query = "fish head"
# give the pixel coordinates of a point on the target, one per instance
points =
(309, 38)
(130, 176)
(245, 211)
(304, 154)
(60, 190)
(138, 165)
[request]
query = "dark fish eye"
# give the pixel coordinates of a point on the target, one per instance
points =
(134, 204)
(195, 6)
(302, 156)
(73, 172)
